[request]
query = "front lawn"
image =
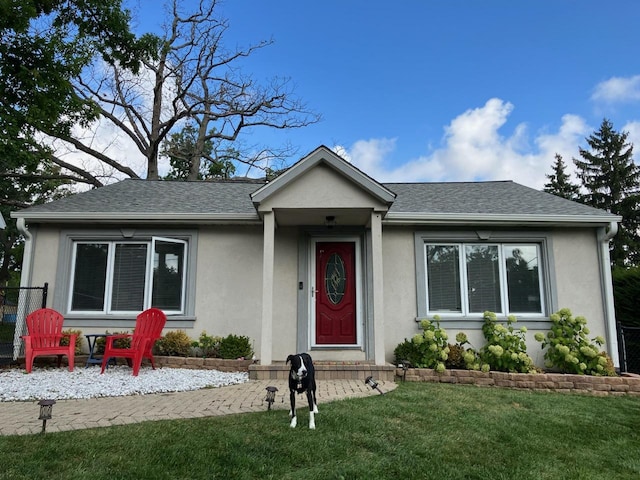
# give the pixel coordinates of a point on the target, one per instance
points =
(419, 431)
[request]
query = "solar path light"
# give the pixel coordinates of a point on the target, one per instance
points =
(46, 407)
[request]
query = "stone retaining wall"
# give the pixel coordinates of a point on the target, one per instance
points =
(161, 361)
(204, 363)
(628, 384)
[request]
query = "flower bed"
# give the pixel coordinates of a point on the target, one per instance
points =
(628, 384)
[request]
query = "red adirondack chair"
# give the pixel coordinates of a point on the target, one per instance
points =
(148, 329)
(45, 333)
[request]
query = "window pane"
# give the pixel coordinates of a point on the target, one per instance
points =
(335, 280)
(443, 278)
(129, 269)
(483, 278)
(523, 278)
(168, 268)
(89, 276)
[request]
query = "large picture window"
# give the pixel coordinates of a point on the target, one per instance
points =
(124, 277)
(471, 278)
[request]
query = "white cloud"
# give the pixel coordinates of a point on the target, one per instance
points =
(473, 150)
(618, 89)
(633, 128)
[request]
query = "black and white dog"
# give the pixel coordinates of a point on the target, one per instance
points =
(302, 379)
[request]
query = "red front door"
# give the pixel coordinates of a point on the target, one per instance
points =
(335, 293)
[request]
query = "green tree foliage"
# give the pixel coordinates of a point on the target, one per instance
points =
(560, 182)
(626, 292)
(44, 44)
(192, 157)
(24, 181)
(611, 181)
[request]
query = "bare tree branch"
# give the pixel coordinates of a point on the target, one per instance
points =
(193, 77)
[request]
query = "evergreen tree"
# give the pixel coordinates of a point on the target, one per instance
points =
(611, 181)
(559, 181)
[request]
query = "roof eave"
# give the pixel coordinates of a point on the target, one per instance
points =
(137, 217)
(498, 219)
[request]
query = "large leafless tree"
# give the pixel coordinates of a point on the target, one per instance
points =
(194, 78)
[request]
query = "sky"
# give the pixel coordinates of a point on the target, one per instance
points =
(448, 90)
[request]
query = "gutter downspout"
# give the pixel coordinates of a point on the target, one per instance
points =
(604, 236)
(25, 281)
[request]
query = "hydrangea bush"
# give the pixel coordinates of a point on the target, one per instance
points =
(568, 348)
(506, 348)
(470, 355)
(428, 349)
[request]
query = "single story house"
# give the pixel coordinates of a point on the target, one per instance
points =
(323, 259)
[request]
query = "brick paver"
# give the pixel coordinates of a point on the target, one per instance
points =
(21, 418)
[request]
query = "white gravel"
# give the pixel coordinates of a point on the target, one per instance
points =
(60, 384)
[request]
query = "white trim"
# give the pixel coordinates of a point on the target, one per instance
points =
(108, 290)
(312, 291)
(503, 279)
(149, 273)
(140, 217)
(418, 218)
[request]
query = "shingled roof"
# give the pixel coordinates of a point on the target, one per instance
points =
(203, 202)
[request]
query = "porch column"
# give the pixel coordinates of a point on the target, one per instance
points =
(268, 258)
(378, 291)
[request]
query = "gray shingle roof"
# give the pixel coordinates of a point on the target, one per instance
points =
(144, 196)
(497, 198)
(154, 199)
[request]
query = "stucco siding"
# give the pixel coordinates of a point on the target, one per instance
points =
(321, 187)
(285, 293)
(576, 279)
(45, 259)
(399, 287)
(578, 276)
(229, 282)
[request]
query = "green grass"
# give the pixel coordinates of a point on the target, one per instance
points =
(418, 431)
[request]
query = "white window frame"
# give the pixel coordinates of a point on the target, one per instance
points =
(463, 283)
(547, 270)
(106, 310)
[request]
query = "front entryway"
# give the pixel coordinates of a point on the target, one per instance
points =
(335, 293)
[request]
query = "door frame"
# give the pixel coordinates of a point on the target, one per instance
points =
(359, 285)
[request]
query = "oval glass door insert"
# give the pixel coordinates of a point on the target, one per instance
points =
(335, 279)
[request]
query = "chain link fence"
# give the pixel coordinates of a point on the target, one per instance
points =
(15, 304)
(629, 349)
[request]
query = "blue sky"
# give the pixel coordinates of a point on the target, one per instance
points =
(454, 90)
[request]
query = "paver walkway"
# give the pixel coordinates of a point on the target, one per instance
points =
(21, 418)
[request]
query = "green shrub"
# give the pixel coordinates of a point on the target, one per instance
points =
(506, 349)
(428, 349)
(65, 340)
(119, 343)
(208, 346)
(407, 351)
(235, 346)
(174, 344)
(456, 357)
(568, 349)
(470, 355)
